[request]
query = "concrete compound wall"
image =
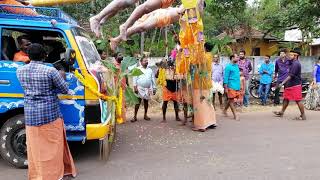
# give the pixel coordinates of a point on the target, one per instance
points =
(307, 62)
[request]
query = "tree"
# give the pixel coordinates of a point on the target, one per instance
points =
(225, 14)
(276, 16)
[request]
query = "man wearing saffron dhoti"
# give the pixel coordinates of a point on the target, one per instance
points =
(48, 153)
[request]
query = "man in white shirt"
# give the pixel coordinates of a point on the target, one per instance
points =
(144, 85)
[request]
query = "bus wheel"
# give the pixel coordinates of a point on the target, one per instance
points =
(13, 146)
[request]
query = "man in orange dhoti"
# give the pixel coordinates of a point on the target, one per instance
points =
(169, 92)
(48, 153)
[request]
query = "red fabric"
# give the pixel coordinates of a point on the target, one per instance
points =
(233, 93)
(293, 93)
(168, 95)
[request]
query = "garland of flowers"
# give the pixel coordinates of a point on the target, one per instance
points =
(119, 106)
(118, 100)
(162, 77)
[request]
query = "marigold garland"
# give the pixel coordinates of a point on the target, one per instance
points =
(118, 100)
(162, 77)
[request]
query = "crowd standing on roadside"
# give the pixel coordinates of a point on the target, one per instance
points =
(230, 84)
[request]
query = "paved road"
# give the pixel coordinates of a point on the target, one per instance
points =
(259, 147)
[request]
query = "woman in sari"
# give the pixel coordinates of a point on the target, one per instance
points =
(204, 113)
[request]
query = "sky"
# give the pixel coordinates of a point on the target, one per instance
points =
(250, 2)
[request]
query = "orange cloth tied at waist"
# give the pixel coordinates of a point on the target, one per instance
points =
(166, 3)
(16, 10)
(168, 95)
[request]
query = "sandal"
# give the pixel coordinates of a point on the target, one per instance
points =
(278, 113)
(199, 130)
(134, 120)
(213, 126)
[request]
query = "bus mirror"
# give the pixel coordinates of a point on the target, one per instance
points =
(70, 56)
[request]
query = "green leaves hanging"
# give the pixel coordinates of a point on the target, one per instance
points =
(127, 62)
(131, 97)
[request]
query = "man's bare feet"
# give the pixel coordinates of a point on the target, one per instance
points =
(114, 43)
(123, 32)
(146, 118)
(134, 119)
(237, 118)
(178, 119)
(95, 26)
(164, 121)
(224, 112)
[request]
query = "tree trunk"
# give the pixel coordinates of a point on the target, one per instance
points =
(166, 41)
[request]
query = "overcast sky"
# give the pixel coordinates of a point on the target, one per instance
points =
(250, 2)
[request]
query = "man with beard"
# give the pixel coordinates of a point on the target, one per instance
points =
(281, 73)
(245, 64)
(293, 86)
(231, 81)
(144, 85)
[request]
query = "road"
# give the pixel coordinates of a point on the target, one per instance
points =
(259, 147)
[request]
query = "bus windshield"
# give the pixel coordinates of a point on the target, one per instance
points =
(87, 48)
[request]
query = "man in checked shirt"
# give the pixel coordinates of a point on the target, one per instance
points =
(48, 153)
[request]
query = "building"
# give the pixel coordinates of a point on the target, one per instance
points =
(254, 42)
(295, 35)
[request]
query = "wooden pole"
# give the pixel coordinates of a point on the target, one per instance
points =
(166, 41)
(141, 43)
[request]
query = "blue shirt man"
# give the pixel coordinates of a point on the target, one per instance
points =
(266, 70)
(231, 81)
(231, 76)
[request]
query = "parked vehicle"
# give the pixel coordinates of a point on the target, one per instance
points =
(86, 117)
(255, 82)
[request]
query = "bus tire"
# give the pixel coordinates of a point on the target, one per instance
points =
(13, 146)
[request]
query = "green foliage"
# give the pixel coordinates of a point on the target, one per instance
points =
(225, 14)
(127, 62)
(221, 46)
(110, 66)
(135, 72)
(101, 44)
(270, 16)
(131, 97)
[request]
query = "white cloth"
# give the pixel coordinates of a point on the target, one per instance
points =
(145, 83)
(217, 87)
(312, 99)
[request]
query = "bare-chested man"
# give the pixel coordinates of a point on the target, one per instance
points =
(117, 5)
(109, 11)
(157, 18)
